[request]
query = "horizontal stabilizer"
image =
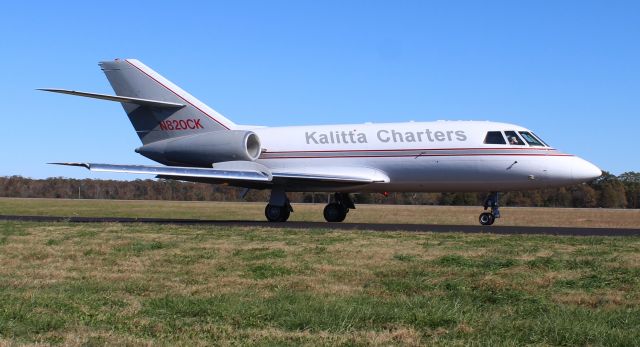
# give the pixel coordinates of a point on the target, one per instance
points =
(130, 100)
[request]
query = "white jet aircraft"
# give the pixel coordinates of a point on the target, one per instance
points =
(197, 144)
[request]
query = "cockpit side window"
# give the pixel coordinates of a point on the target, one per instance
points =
(531, 140)
(494, 138)
(513, 138)
(539, 139)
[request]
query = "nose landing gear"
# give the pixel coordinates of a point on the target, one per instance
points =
(491, 203)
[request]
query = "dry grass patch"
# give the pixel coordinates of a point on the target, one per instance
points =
(538, 254)
(549, 278)
(604, 300)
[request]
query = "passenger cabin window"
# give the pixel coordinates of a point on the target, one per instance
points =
(513, 138)
(495, 138)
(531, 140)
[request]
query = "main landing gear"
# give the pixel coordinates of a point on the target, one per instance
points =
(278, 213)
(491, 203)
(337, 211)
(279, 208)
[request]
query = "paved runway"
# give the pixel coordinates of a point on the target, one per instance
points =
(495, 229)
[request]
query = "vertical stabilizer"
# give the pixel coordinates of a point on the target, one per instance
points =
(131, 78)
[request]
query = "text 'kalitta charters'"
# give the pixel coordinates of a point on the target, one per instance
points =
(384, 135)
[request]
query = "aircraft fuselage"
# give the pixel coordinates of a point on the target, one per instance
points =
(423, 156)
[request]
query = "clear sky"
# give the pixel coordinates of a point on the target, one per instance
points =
(569, 70)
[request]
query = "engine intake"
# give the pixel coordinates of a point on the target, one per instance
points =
(205, 149)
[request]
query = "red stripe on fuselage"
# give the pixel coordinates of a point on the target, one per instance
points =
(422, 155)
(419, 149)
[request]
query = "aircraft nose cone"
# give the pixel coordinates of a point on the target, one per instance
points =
(584, 171)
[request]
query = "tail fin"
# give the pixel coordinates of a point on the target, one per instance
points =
(130, 78)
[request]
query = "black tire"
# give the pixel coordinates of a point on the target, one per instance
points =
(286, 212)
(334, 212)
(486, 218)
(277, 213)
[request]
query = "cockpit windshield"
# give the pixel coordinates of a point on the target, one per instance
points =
(531, 140)
(513, 138)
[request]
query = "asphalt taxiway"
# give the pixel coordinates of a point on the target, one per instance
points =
(471, 229)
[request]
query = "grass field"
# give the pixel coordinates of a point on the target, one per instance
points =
(133, 284)
(313, 212)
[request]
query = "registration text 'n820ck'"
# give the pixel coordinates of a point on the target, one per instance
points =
(181, 124)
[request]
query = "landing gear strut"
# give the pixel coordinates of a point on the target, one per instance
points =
(491, 203)
(279, 208)
(337, 211)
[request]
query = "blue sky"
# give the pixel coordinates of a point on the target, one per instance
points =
(569, 70)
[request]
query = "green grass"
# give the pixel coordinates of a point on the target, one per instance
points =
(113, 284)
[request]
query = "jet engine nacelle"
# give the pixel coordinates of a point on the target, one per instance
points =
(205, 149)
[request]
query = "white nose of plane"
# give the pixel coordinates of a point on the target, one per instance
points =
(583, 171)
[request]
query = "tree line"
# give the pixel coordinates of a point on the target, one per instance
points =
(607, 191)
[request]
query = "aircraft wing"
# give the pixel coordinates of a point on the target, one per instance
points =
(247, 174)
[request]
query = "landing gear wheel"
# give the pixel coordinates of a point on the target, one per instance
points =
(335, 212)
(491, 204)
(277, 213)
(487, 218)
